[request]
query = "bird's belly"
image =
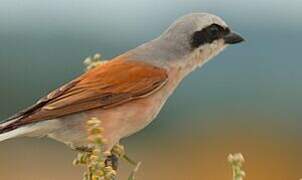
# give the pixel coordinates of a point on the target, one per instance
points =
(126, 119)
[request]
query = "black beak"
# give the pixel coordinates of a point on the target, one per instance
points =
(233, 38)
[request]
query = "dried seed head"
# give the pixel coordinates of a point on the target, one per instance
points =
(118, 150)
(87, 61)
(236, 158)
(95, 130)
(97, 56)
(94, 158)
(96, 151)
(93, 122)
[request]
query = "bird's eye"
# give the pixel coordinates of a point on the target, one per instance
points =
(208, 35)
(214, 31)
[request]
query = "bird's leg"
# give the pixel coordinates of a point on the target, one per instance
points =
(84, 153)
(83, 149)
(112, 161)
(116, 153)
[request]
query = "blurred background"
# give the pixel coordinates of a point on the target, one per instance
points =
(247, 100)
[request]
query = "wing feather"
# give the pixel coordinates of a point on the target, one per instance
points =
(106, 86)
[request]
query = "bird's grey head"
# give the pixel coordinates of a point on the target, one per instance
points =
(200, 36)
(191, 40)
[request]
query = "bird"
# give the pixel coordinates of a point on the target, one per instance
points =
(127, 92)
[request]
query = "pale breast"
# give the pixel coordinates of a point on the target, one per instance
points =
(128, 118)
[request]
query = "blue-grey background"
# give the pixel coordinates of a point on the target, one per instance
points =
(247, 100)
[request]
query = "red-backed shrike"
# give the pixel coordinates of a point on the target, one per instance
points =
(127, 92)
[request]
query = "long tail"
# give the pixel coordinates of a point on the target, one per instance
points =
(14, 127)
(39, 129)
(16, 132)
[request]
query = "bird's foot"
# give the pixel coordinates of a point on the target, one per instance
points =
(112, 161)
(83, 149)
(83, 156)
(119, 151)
(116, 153)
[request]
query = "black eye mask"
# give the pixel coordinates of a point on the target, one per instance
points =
(208, 35)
